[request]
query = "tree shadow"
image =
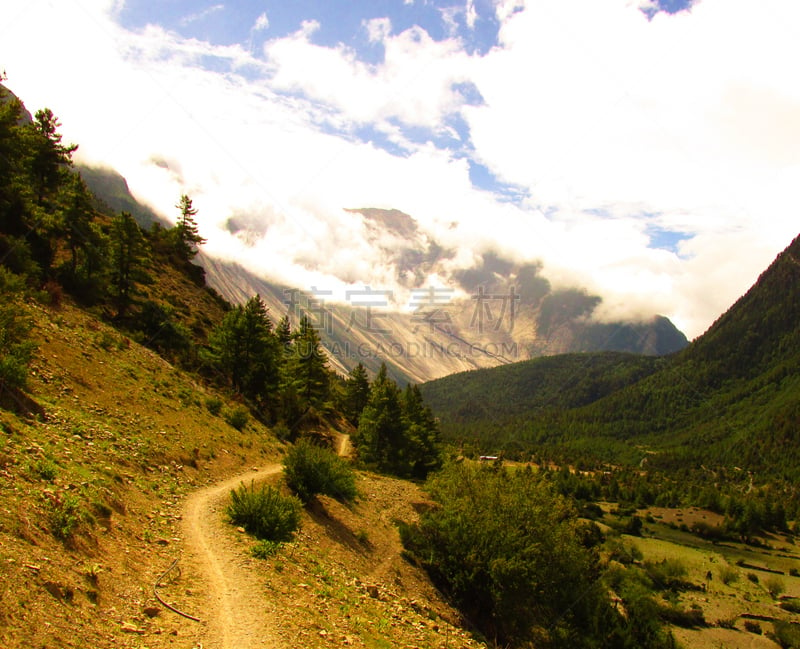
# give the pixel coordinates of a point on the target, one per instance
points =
(19, 403)
(335, 528)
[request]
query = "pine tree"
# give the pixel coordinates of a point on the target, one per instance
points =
(76, 217)
(48, 155)
(309, 365)
(422, 434)
(381, 434)
(245, 349)
(129, 260)
(284, 331)
(356, 394)
(187, 235)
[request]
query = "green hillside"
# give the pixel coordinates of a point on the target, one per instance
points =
(732, 398)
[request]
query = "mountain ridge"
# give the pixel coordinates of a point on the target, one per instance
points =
(507, 311)
(732, 397)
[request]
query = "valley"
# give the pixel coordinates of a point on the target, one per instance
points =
(170, 428)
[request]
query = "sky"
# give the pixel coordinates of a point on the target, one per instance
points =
(645, 150)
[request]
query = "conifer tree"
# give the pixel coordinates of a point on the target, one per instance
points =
(381, 435)
(187, 235)
(48, 155)
(356, 394)
(76, 216)
(129, 260)
(309, 365)
(422, 434)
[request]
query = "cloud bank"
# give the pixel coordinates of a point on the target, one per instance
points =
(654, 157)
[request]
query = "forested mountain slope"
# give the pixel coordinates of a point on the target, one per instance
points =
(731, 398)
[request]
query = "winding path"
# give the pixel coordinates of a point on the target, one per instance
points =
(235, 609)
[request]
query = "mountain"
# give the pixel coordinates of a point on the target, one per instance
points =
(731, 398)
(495, 313)
(112, 189)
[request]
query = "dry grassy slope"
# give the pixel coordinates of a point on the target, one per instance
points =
(116, 437)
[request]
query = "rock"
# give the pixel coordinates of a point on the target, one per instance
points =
(151, 611)
(373, 591)
(54, 589)
(130, 627)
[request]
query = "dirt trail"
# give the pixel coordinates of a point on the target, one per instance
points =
(235, 611)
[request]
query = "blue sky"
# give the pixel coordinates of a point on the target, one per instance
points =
(645, 150)
(341, 21)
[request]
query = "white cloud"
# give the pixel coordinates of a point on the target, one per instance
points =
(262, 22)
(202, 15)
(414, 84)
(471, 14)
(378, 29)
(612, 123)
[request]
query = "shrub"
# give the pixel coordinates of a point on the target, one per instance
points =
(728, 575)
(310, 470)
(752, 626)
(46, 469)
(214, 405)
(64, 515)
(787, 635)
(265, 513)
(667, 573)
(508, 551)
(238, 417)
(774, 585)
(689, 619)
(791, 605)
(264, 549)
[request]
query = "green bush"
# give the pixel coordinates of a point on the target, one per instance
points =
(752, 626)
(46, 469)
(64, 515)
(774, 585)
(787, 635)
(791, 605)
(667, 574)
(214, 405)
(311, 470)
(687, 618)
(728, 575)
(512, 554)
(264, 549)
(16, 350)
(238, 417)
(265, 513)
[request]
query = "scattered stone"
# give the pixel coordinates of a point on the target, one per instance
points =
(130, 627)
(241, 530)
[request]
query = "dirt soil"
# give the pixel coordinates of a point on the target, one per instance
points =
(341, 582)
